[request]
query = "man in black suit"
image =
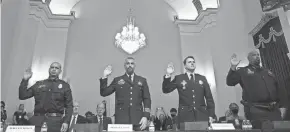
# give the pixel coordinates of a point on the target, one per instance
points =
(76, 118)
(100, 118)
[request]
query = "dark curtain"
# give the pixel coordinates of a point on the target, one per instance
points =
(274, 53)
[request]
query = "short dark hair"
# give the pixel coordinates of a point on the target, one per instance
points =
(184, 61)
(89, 113)
(173, 110)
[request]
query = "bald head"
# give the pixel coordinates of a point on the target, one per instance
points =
(54, 69)
(254, 58)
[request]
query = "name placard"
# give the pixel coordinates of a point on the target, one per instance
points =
(20, 129)
(120, 127)
(222, 126)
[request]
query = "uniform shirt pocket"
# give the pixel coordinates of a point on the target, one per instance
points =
(57, 95)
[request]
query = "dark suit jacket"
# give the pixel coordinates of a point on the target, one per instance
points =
(81, 120)
(106, 121)
(129, 98)
(195, 98)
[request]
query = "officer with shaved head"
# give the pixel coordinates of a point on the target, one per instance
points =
(52, 97)
(133, 100)
(262, 98)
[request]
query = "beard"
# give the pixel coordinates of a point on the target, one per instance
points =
(257, 62)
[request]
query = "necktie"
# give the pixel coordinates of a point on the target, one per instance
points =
(191, 77)
(130, 76)
(101, 120)
(101, 124)
(73, 122)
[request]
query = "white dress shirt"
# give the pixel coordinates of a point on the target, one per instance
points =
(99, 118)
(72, 117)
(189, 77)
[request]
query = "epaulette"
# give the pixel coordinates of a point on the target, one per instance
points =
(63, 81)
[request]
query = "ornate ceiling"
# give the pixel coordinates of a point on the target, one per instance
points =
(186, 9)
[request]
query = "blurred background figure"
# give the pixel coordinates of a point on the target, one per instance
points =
(89, 115)
(173, 114)
(100, 118)
(234, 117)
(161, 121)
(234, 109)
(20, 117)
(3, 112)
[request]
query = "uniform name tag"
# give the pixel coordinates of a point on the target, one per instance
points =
(20, 129)
(120, 127)
(222, 126)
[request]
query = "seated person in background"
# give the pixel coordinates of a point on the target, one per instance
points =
(20, 117)
(100, 118)
(76, 118)
(3, 112)
(173, 113)
(234, 117)
(234, 109)
(161, 121)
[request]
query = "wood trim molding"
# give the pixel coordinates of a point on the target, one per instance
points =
(40, 11)
(205, 19)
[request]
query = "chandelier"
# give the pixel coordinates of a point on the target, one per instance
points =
(130, 39)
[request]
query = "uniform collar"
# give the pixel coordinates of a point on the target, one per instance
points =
(53, 79)
(131, 75)
(254, 66)
(188, 74)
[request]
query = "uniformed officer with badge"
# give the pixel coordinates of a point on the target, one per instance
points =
(262, 97)
(131, 91)
(195, 98)
(52, 97)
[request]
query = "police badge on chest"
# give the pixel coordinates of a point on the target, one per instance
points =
(250, 72)
(183, 83)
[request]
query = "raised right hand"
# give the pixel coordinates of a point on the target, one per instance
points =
(27, 74)
(234, 61)
(107, 71)
(170, 69)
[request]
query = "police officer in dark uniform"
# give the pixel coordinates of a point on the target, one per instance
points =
(52, 97)
(131, 91)
(195, 98)
(261, 97)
